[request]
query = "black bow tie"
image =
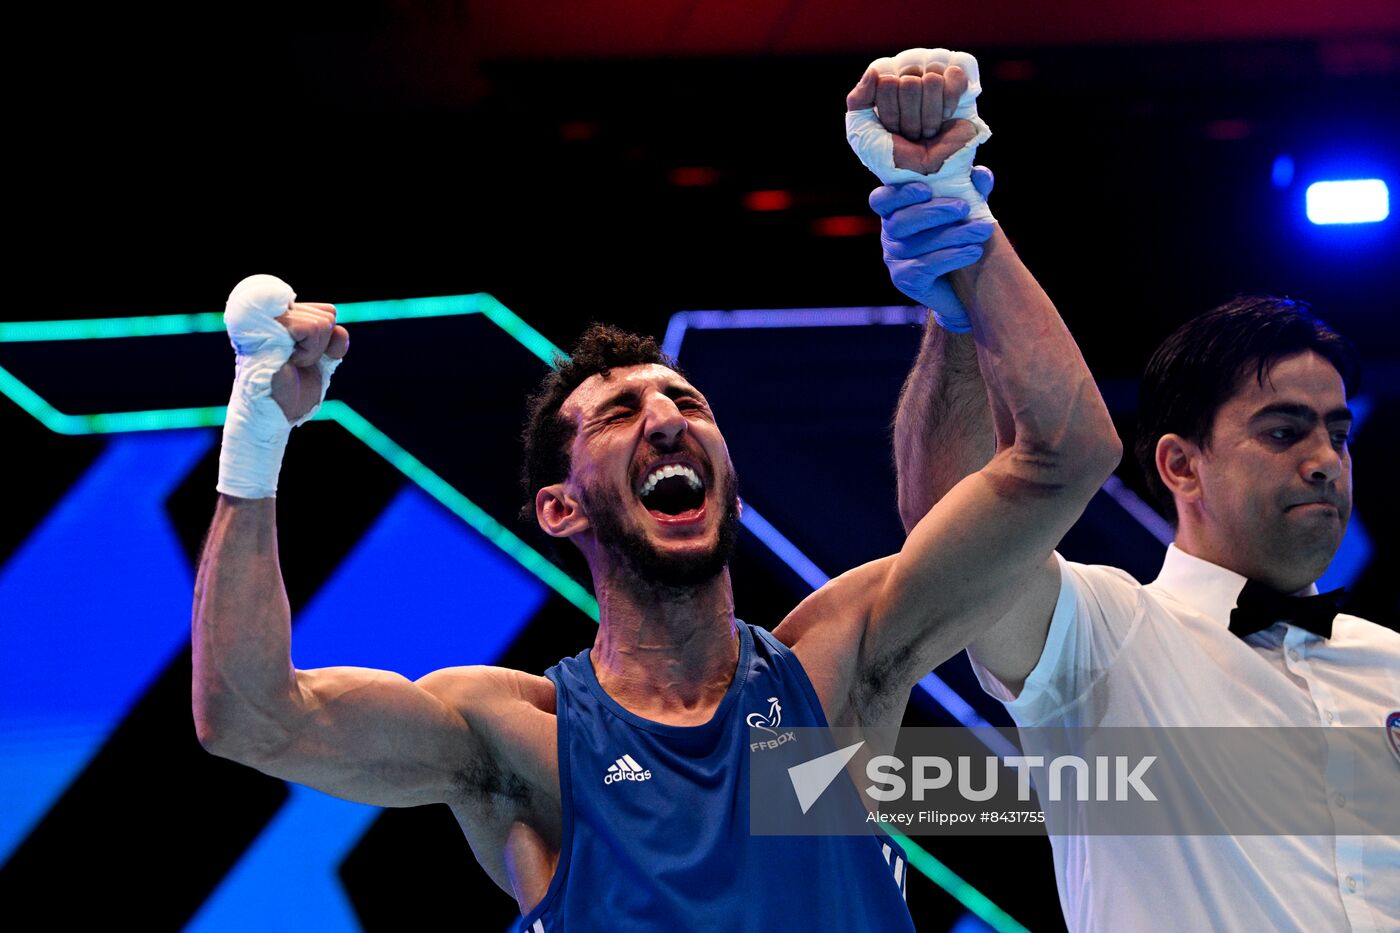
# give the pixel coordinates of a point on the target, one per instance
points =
(1260, 607)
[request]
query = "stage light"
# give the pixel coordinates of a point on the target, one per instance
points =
(774, 200)
(1359, 201)
(694, 176)
(845, 225)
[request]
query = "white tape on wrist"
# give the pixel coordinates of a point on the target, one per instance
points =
(256, 429)
(874, 144)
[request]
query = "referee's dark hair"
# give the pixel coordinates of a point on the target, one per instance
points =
(1201, 366)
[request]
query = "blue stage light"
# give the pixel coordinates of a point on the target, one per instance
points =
(1359, 201)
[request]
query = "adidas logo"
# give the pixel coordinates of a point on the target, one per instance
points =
(626, 769)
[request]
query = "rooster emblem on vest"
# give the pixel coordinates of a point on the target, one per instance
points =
(770, 722)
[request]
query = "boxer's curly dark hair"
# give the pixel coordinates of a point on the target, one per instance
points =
(1202, 365)
(547, 435)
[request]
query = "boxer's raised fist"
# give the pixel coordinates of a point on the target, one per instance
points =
(318, 342)
(285, 352)
(916, 104)
(914, 118)
(292, 345)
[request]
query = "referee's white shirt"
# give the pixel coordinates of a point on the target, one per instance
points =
(1122, 654)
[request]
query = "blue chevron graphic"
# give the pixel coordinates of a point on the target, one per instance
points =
(419, 591)
(92, 606)
(286, 881)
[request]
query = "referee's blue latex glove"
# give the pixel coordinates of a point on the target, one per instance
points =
(925, 238)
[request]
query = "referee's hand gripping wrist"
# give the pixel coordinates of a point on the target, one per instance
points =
(925, 238)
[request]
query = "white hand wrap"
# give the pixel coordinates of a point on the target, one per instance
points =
(874, 145)
(256, 429)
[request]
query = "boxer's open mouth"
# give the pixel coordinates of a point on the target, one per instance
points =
(672, 490)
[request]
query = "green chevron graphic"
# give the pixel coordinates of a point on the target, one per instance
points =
(333, 410)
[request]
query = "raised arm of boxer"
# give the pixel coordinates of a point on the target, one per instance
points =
(977, 569)
(366, 735)
(942, 425)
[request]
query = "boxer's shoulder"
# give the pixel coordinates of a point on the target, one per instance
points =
(488, 697)
(506, 800)
(513, 768)
(848, 596)
(826, 630)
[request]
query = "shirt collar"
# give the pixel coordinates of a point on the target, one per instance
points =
(1208, 588)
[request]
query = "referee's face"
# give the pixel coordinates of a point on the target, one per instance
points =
(1274, 482)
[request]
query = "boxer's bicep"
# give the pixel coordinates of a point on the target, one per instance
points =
(980, 553)
(368, 735)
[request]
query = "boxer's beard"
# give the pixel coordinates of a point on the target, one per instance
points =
(650, 566)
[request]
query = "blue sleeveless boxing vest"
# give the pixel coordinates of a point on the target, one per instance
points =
(656, 819)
